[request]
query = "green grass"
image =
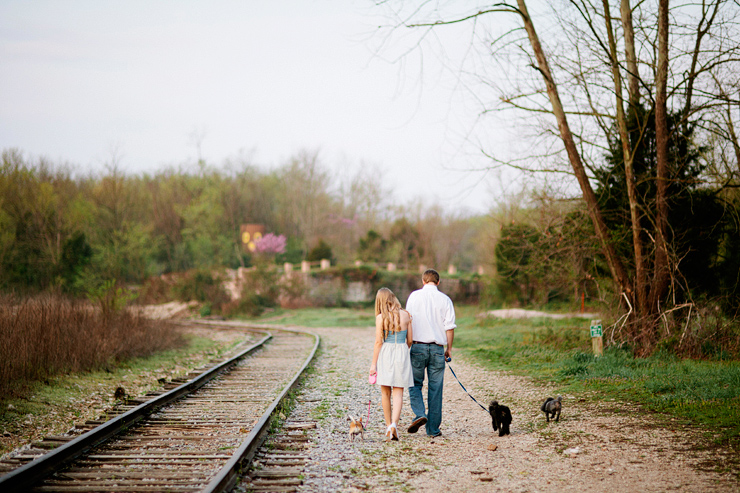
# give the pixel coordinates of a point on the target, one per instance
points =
(559, 351)
(321, 317)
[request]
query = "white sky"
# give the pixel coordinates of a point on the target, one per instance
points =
(80, 78)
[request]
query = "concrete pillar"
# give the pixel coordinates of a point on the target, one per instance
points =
(481, 270)
(325, 263)
(451, 270)
(305, 266)
(288, 267)
(358, 263)
(391, 266)
(422, 268)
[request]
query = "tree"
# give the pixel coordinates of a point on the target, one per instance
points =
(704, 43)
(515, 255)
(372, 247)
(406, 239)
(322, 251)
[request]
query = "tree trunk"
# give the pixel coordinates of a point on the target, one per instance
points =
(659, 285)
(633, 75)
(618, 272)
(640, 286)
(733, 136)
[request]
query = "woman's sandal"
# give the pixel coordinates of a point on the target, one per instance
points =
(394, 432)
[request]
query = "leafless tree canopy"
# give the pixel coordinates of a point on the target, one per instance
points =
(581, 76)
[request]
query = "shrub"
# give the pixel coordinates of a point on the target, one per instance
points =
(202, 286)
(154, 291)
(261, 290)
(321, 251)
(48, 335)
(109, 298)
(293, 292)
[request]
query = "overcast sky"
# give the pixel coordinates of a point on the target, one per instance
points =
(271, 78)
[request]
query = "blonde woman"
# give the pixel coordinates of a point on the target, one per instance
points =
(391, 361)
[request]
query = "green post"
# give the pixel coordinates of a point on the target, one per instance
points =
(596, 341)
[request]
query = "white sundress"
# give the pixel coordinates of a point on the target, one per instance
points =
(394, 362)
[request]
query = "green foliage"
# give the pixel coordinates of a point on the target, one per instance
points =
(53, 228)
(201, 285)
(76, 255)
(206, 310)
(550, 263)
(405, 241)
(492, 295)
(320, 252)
(261, 291)
(109, 298)
(699, 221)
(361, 273)
(373, 247)
(293, 254)
(515, 258)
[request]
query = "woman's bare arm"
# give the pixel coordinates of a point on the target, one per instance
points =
(409, 330)
(378, 344)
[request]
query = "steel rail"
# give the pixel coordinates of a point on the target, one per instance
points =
(21, 479)
(226, 479)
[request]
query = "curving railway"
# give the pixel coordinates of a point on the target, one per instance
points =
(195, 437)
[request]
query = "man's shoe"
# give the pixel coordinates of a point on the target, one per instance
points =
(416, 424)
(438, 434)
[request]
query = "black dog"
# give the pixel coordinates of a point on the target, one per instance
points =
(501, 418)
(551, 407)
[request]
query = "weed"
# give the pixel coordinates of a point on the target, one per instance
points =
(49, 335)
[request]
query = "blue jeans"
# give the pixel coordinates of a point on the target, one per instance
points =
(431, 358)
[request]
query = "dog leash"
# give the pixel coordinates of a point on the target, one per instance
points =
(466, 391)
(371, 381)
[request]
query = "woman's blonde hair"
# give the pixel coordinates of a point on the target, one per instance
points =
(387, 304)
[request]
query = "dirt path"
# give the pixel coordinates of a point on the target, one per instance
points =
(590, 449)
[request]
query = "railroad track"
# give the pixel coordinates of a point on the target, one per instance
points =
(194, 437)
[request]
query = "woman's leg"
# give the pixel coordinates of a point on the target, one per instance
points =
(385, 399)
(397, 404)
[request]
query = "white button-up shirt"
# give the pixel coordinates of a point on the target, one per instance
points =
(432, 314)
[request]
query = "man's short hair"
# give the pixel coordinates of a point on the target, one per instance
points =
(430, 275)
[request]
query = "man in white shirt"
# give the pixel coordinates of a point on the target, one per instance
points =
(433, 321)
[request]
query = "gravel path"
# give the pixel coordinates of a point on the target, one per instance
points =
(592, 448)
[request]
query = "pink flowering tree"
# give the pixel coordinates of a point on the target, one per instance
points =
(270, 244)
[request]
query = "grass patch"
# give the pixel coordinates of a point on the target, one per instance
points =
(703, 392)
(321, 317)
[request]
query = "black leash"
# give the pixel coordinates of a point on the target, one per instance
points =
(466, 391)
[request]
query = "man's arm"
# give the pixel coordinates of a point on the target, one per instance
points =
(410, 302)
(449, 316)
(449, 325)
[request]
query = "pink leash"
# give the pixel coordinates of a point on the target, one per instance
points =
(371, 380)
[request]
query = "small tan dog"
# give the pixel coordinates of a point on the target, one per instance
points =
(356, 428)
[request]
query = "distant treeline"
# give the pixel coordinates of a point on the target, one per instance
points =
(71, 232)
(65, 230)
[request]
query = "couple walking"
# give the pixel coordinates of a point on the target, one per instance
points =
(409, 343)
